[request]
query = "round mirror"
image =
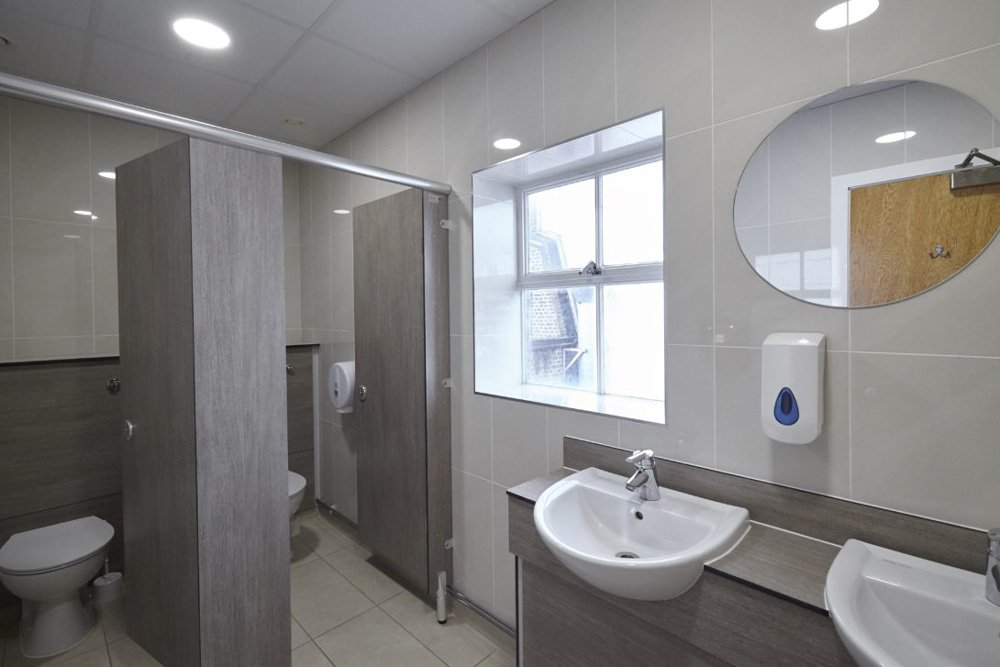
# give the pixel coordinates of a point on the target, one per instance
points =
(871, 194)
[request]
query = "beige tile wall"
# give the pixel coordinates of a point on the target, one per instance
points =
(910, 386)
(58, 270)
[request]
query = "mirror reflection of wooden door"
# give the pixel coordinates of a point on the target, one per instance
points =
(895, 228)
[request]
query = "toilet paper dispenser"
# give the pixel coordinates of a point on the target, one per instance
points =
(340, 386)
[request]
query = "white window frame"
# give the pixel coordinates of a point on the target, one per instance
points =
(642, 273)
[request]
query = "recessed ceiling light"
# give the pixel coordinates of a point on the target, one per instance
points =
(341, 211)
(93, 217)
(71, 236)
(202, 33)
(846, 13)
(81, 211)
(506, 144)
(294, 122)
(110, 175)
(893, 137)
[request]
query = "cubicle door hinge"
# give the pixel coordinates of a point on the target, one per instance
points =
(433, 198)
(449, 543)
(445, 223)
(447, 383)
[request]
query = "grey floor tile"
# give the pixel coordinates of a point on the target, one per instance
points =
(455, 642)
(112, 618)
(302, 552)
(309, 655)
(375, 640)
(316, 534)
(299, 636)
(351, 562)
(322, 599)
(499, 659)
(80, 654)
(126, 653)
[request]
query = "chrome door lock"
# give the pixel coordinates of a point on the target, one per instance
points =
(362, 392)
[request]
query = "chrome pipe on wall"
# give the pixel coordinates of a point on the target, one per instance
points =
(67, 97)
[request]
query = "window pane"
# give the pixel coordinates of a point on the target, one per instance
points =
(633, 215)
(561, 227)
(561, 337)
(633, 340)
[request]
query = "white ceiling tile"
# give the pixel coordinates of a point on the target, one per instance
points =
(259, 41)
(160, 83)
(72, 13)
(300, 12)
(41, 50)
(421, 38)
(265, 111)
(343, 81)
(516, 9)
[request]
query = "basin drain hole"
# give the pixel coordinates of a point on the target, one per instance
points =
(626, 554)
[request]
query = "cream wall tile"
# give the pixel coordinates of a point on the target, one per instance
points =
(6, 349)
(800, 167)
(364, 148)
(747, 307)
(5, 165)
(105, 241)
(51, 148)
(587, 426)
(293, 286)
(26, 349)
(6, 280)
(112, 144)
(923, 432)
(515, 87)
(504, 592)
(652, 39)
(519, 434)
(390, 125)
(472, 527)
(690, 405)
(743, 448)
(579, 68)
(642, 435)
(291, 200)
(460, 264)
(946, 120)
(688, 240)
(465, 113)
(919, 31)
(106, 346)
(339, 461)
(859, 121)
(769, 52)
(53, 279)
(425, 130)
(317, 285)
(342, 281)
(471, 418)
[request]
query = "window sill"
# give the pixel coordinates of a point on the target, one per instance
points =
(625, 407)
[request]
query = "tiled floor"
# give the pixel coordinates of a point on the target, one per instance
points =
(345, 613)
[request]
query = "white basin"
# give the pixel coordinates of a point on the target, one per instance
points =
(895, 610)
(590, 521)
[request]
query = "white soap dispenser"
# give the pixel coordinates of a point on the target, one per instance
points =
(791, 386)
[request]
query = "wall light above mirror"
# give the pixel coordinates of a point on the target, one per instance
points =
(849, 202)
(568, 273)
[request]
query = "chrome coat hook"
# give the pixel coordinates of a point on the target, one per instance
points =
(939, 251)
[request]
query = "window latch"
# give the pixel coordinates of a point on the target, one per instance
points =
(592, 269)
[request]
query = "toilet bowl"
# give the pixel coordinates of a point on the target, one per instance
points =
(296, 489)
(46, 568)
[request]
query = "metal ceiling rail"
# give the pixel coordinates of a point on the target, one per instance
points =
(67, 97)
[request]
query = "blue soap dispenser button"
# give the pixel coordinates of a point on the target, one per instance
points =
(786, 408)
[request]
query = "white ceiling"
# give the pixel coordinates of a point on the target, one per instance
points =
(330, 63)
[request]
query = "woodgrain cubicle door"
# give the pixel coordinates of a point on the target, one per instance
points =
(390, 364)
(896, 226)
(205, 488)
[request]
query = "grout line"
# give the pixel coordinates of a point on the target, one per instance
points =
(614, 57)
(715, 301)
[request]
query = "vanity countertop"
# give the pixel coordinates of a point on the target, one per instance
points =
(788, 564)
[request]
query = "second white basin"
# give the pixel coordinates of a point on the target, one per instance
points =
(896, 610)
(644, 550)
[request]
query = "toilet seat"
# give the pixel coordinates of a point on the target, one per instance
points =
(296, 483)
(54, 547)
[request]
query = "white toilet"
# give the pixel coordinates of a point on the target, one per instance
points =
(296, 489)
(46, 568)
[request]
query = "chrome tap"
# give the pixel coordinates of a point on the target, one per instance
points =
(644, 477)
(993, 567)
